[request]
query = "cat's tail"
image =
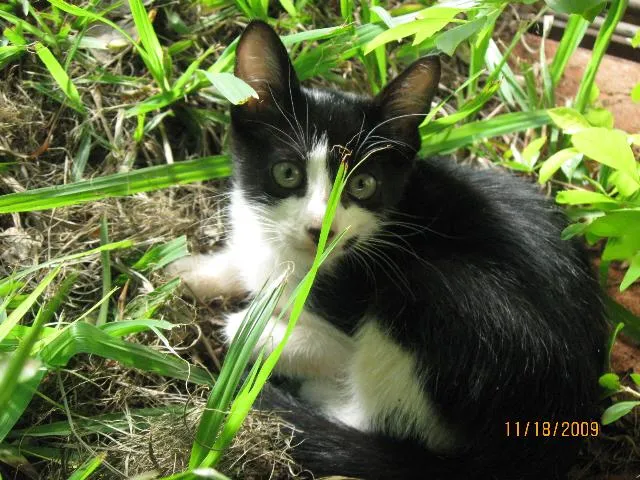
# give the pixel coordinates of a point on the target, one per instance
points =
(326, 448)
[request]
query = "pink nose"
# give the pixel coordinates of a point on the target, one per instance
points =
(314, 234)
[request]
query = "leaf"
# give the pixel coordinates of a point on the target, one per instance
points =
(617, 410)
(159, 256)
(626, 185)
(153, 49)
(635, 41)
(554, 162)
(617, 313)
(531, 152)
(617, 223)
(430, 21)
(234, 89)
(612, 340)
(87, 468)
(60, 76)
(25, 306)
(454, 138)
(609, 147)
(610, 381)
(568, 119)
(586, 8)
(117, 185)
(635, 93)
(633, 273)
(636, 378)
(448, 41)
(599, 117)
(576, 197)
(289, 7)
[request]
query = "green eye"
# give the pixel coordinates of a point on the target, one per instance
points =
(362, 186)
(287, 174)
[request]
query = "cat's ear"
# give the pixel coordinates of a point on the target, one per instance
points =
(405, 101)
(262, 62)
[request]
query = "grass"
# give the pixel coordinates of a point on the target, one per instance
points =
(113, 133)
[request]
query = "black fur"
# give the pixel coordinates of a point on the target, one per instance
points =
(505, 318)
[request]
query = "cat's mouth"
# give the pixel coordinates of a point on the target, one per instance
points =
(310, 248)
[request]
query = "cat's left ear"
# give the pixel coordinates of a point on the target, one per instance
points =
(262, 62)
(405, 101)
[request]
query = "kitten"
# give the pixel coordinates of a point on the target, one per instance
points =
(449, 307)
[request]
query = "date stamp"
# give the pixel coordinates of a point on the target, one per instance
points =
(552, 429)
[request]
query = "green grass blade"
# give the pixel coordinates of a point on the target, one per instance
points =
(240, 351)
(105, 423)
(470, 133)
(571, 38)
(234, 89)
(20, 393)
(88, 467)
(106, 271)
(117, 185)
(61, 77)
(6, 282)
(615, 14)
(25, 306)
(81, 337)
(150, 42)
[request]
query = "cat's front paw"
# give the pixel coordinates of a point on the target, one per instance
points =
(207, 276)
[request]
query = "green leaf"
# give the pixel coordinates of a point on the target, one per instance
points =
(617, 223)
(636, 378)
(610, 381)
(612, 340)
(586, 8)
(635, 93)
(448, 41)
(81, 337)
(568, 119)
(25, 306)
(635, 41)
(617, 411)
(614, 15)
(159, 256)
(117, 185)
(576, 197)
(430, 21)
(289, 7)
(88, 467)
(531, 152)
(572, 36)
(599, 117)
(551, 165)
(617, 313)
(454, 138)
(625, 184)
(231, 87)
(633, 273)
(154, 55)
(60, 76)
(609, 147)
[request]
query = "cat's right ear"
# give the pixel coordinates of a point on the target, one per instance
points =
(262, 62)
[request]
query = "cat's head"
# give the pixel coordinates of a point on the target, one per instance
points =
(288, 143)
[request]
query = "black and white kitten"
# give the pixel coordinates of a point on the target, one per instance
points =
(449, 307)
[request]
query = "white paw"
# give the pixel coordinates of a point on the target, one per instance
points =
(207, 276)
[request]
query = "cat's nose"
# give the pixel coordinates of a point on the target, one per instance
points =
(314, 234)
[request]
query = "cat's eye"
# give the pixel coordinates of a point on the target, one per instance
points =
(287, 174)
(362, 186)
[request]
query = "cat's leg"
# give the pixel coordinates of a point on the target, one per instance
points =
(315, 349)
(210, 275)
(382, 390)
